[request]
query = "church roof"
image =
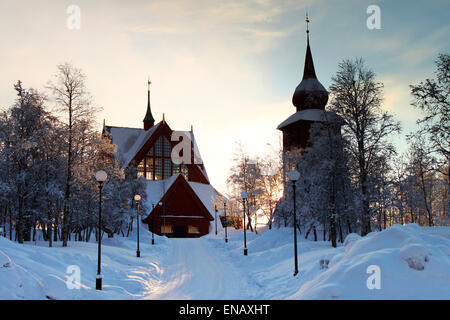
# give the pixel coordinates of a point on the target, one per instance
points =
(129, 142)
(156, 189)
(315, 115)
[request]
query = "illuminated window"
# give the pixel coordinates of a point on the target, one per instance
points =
(158, 171)
(149, 163)
(193, 229)
(141, 169)
(166, 229)
(157, 164)
(184, 171)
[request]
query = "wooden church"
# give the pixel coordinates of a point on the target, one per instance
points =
(180, 196)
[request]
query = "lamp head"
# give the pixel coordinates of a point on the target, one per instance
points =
(137, 197)
(294, 175)
(101, 176)
(244, 195)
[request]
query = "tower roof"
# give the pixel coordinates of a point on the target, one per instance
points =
(148, 119)
(310, 93)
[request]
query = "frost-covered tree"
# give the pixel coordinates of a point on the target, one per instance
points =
(356, 96)
(323, 192)
(68, 89)
(23, 131)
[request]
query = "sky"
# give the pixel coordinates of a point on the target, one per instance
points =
(229, 68)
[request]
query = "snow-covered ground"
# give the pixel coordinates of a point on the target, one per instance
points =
(413, 263)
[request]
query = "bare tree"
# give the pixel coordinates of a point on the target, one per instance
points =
(433, 97)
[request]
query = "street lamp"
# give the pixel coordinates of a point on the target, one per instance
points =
(294, 175)
(215, 211)
(244, 197)
(226, 222)
(137, 198)
(153, 226)
(101, 177)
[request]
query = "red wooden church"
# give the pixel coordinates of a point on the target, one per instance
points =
(180, 195)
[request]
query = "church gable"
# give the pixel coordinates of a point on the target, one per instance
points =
(181, 200)
(181, 211)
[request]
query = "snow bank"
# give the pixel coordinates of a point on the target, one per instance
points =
(37, 272)
(414, 263)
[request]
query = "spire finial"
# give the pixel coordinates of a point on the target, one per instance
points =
(148, 120)
(307, 22)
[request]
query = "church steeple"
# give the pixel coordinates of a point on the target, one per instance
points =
(310, 93)
(149, 121)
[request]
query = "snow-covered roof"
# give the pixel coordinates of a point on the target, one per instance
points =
(206, 193)
(130, 140)
(310, 84)
(124, 138)
(156, 189)
(318, 115)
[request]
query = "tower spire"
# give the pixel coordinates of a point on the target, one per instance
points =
(309, 94)
(308, 71)
(149, 121)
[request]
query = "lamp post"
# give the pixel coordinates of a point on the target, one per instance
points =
(215, 219)
(137, 198)
(294, 175)
(101, 177)
(244, 197)
(153, 226)
(226, 222)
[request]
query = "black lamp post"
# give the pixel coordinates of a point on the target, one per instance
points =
(153, 225)
(101, 177)
(226, 222)
(294, 175)
(137, 198)
(244, 197)
(215, 211)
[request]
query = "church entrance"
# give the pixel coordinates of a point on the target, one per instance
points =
(180, 231)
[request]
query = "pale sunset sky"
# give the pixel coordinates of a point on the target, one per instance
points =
(229, 68)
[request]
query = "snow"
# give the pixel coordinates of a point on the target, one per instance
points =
(414, 263)
(310, 84)
(155, 190)
(311, 115)
(130, 140)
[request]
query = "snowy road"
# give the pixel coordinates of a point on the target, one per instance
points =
(195, 269)
(208, 268)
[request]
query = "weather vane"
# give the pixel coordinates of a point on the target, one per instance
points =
(307, 22)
